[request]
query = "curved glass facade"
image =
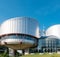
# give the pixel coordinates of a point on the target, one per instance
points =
(18, 38)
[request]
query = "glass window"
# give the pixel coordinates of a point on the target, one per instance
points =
(23, 37)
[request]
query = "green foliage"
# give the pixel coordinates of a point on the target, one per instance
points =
(4, 55)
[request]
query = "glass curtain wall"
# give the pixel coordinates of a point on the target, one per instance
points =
(47, 44)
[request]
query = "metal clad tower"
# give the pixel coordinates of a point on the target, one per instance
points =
(53, 31)
(20, 32)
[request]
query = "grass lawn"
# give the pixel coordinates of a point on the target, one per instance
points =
(36, 55)
(42, 55)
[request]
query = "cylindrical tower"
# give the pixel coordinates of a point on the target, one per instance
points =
(53, 31)
(20, 32)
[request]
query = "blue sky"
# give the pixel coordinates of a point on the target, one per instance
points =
(46, 12)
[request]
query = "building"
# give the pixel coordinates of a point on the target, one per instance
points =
(51, 41)
(23, 32)
(54, 33)
(20, 33)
